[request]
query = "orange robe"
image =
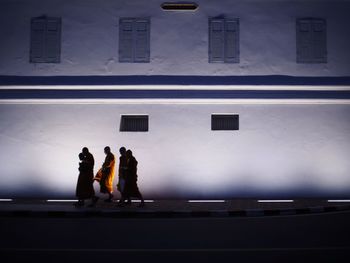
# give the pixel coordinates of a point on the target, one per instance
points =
(106, 174)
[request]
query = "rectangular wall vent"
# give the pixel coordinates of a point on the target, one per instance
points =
(224, 122)
(134, 123)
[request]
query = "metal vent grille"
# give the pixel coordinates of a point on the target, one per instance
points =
(224, 122)
(133, 123)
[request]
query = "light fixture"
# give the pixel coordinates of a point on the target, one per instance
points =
(179, 6)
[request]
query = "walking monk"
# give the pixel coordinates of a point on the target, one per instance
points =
(130, 188)
(85, 188)
(106, 174)
(122, 170)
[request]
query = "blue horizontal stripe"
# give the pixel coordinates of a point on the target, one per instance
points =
(173, 94)
(172, 80)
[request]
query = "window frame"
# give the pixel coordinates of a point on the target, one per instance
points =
(312, 40)
(134, 40)
(236, 40)
(47, 37)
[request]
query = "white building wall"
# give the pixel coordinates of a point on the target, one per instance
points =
(179, 40)
(281, 150)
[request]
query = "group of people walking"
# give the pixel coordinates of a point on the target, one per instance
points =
(127, 177)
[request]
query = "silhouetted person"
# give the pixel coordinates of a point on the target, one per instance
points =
(90, 159)
(131, 189)
(122, 171)
(85, 189)
(106, 174)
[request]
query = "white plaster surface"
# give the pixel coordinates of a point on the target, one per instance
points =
(280, 150)
(179, 40)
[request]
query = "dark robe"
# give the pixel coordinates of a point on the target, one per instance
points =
(91, 162)
(122, 173)
(131, 189)
(85, 189)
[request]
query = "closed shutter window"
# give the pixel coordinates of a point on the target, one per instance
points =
(311, 40)
(126, 35)
(231, 41)
(223, 40)
(217, 40)
(134, 40)
(45, 41)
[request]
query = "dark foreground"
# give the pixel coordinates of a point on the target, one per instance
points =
(317, 236)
